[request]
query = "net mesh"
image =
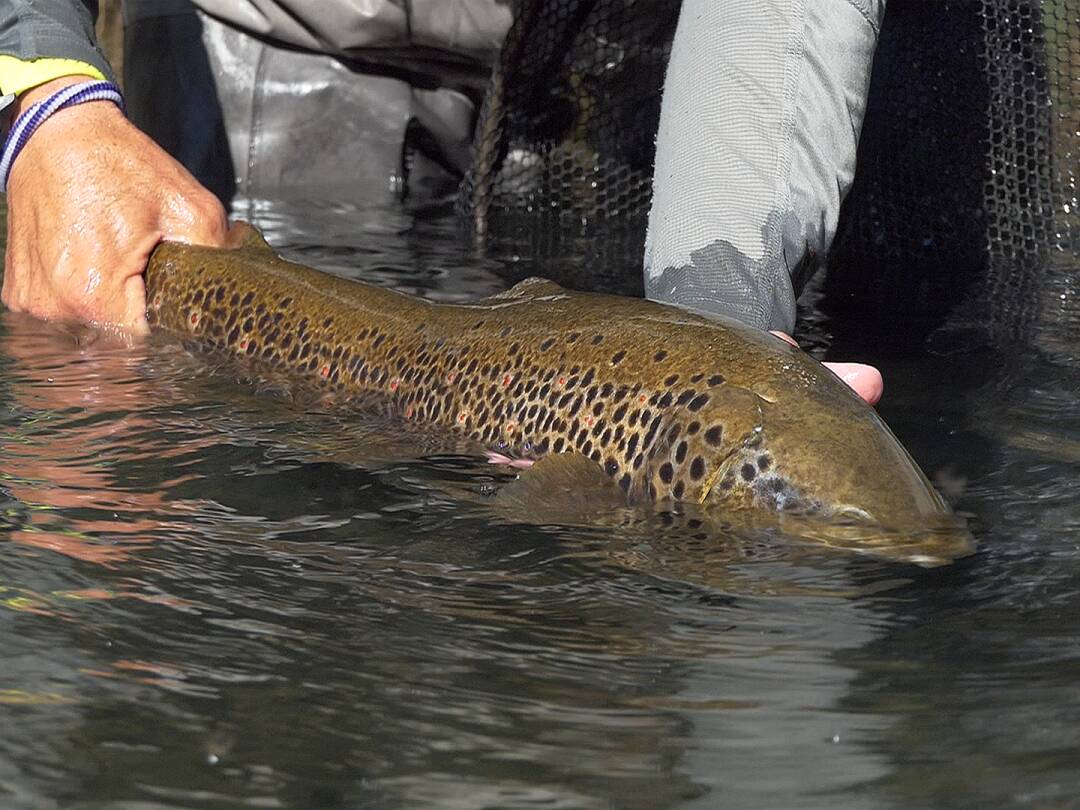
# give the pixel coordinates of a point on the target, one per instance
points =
(967, 171)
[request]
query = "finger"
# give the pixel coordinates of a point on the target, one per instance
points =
(784, 336)
(197, 218)
(865, 380)
(134, 321)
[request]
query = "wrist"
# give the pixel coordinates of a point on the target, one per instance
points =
(42, 91)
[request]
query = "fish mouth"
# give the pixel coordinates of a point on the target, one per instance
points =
(936, 541)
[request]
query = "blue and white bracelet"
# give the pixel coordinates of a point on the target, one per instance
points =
(26, 124)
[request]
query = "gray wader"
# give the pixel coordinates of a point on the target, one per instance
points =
(260, 118)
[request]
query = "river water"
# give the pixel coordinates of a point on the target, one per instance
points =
(213, 596)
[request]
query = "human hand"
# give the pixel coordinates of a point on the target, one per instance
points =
(865, 380)
(89, 198)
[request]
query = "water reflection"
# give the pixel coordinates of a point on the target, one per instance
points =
(212, 597)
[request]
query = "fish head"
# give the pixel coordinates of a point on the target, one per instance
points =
(825, 466)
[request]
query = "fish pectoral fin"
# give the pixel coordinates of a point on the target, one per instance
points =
(563, 486)
(245, 236)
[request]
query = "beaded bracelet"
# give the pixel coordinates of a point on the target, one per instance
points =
(29, 121)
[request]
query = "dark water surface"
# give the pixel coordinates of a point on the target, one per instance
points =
(212, 597)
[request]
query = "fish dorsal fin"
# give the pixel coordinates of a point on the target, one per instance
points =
(245, 236)
(533, 287)
(566, 486)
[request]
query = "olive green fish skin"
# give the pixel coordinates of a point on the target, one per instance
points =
(669, 404)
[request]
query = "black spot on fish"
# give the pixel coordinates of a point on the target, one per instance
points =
(698, 402)
(714, 435)
(680, 452)
(693, 428)
(679, 489)
(686, 396)
(514, 347)
(763, 463)
(660, 356)
(572, 337)
(716, 379)
(617, 358)
(597, 340)
(667, 472)
(624, 482)
(697, 468)
(748, 472)
(670, 381)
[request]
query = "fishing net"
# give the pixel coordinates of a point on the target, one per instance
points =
(967, 172)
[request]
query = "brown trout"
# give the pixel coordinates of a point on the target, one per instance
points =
(671, 406)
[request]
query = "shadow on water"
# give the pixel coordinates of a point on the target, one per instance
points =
(211, 597)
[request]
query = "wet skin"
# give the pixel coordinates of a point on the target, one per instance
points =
(668, 404)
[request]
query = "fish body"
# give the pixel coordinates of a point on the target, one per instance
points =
(668, 404)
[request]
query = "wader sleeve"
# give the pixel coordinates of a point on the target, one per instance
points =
(36, 29)
(762, 108)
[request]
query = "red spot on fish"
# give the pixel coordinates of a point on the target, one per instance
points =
(588, 421)
(642, 398)
(451, 377)
(157, 300)
(507, 379)
(394, 384)
(562, 381)
(510, 427)
(408, 412)
(462, 417)
(243, 345)
(194, 318)
(325, 371)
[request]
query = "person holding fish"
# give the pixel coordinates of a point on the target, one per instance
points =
(762, 109)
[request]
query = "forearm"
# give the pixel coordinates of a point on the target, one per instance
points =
(762, 110)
